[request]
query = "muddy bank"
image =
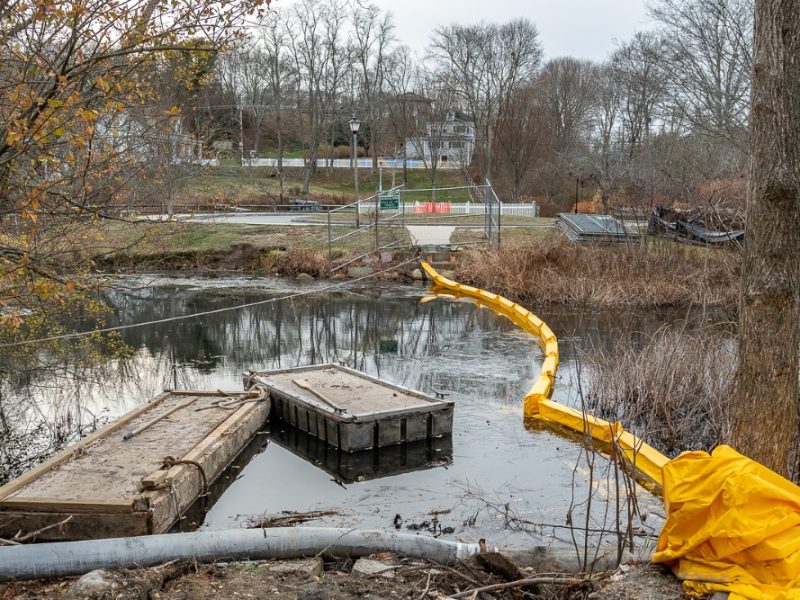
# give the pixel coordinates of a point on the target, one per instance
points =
(379, 576)
(245, 258)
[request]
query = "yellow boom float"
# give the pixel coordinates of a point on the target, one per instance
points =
(732, 524)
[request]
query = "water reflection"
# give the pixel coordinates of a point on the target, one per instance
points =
(482, 360)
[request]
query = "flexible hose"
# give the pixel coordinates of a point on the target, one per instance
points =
(62, 559)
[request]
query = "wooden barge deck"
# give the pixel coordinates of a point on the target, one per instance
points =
(350, 410)
(105, 486)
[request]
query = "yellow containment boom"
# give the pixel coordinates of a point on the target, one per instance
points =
(537, 404)
(732, 524)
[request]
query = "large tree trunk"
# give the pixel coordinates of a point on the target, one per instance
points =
(765, 409)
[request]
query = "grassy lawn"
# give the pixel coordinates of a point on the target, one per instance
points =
(234, 185)
(508, 237)
(160, 238)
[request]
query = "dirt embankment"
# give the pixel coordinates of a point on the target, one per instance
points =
(379, 577)
(242, 257)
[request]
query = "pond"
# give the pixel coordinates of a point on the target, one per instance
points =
(496, 478)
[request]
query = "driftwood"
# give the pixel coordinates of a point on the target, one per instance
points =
(289, 518)
(520, 583)
(20, 538)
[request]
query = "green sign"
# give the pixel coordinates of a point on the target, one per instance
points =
(390, 201)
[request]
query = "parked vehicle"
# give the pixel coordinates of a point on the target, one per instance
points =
(299, 204)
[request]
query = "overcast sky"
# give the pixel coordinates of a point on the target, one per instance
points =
(580, 28)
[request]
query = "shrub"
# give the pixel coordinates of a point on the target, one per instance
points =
(551, 269)
(672, 391)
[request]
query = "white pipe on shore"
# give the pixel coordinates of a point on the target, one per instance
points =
(62, 559)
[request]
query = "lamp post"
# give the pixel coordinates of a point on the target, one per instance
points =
(577, 182)
(576, 194)
(355, 124)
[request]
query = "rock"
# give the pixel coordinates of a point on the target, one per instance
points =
(369, 567)
(356, 272)
(387, 256)
(310, 567)
(116, 585)
(304, 277)
(417, 275)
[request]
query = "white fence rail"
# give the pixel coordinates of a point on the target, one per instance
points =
(453, 208)
(345, 163)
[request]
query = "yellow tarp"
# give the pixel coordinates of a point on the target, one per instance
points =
(732, 524)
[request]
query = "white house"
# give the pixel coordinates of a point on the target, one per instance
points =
(451, 140)
(143, 138)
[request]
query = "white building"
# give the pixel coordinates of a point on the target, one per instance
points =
(449, 141)
(143, 138)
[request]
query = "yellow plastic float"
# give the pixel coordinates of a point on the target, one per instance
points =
(732, 524)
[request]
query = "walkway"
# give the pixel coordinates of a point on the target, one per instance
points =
(430, 235)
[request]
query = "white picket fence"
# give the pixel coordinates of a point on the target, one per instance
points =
(453, 208)
(345, 163)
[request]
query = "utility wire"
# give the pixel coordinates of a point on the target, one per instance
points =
(80, 334)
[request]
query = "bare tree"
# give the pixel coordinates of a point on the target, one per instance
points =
(250, 64)
(765, 409)
(371, 41)
(278, 64)
(484, 64)
(403, 105)
(523, 138)
(437, 128)
(69, 72)
(707, 51)
(320, 60)
(607, 107)
(642, 80)
(568, 86)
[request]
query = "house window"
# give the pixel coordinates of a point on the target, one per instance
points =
(456, 144)
(459, 129)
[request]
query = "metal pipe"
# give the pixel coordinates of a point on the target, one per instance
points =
(63, 559)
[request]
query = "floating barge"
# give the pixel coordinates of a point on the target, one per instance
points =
(141, 474)
(352, 467)
(108, 486)
(352, 411)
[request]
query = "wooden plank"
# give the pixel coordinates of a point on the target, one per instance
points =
(260, 375)
(82, 526)
(154, 479)
(160, 476)
(68, 506)
(61, 457)
(214, 454)
(206, 393)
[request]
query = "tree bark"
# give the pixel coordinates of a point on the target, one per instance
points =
(765, 408)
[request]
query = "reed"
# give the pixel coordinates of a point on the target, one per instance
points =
(672, 388)
(655, 273)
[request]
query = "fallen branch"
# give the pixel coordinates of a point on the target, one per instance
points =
(289, 518)
(519, 583)
(19, 538)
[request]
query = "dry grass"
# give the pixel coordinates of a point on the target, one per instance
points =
(672, 389)
(294, 261)
(550, 269)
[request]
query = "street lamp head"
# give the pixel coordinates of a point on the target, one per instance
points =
(355, 124)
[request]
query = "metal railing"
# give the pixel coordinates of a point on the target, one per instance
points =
(376, 224)
(494, 209)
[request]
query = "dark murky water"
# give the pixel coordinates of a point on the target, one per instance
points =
(494, 473)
